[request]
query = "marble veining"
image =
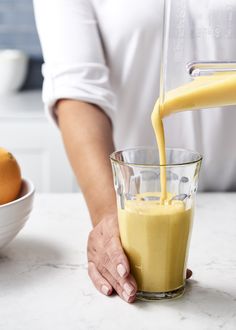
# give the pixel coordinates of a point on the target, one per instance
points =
(44, 282)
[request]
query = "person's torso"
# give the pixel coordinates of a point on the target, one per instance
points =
(131, 32)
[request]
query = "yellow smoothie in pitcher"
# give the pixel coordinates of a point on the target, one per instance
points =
(155, 234)
(203, 92)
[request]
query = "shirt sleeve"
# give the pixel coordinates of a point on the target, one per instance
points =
(75, 66)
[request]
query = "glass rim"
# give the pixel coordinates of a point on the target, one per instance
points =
(113, 159)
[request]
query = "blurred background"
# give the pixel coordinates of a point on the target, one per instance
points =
(24, 129)
(18, 31)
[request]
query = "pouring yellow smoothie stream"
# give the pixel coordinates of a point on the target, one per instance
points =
(203, 92)
(155, 234)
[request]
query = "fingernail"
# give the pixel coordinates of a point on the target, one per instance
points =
(105, 290)
(121, 270)
(128, 288)
(126, 297)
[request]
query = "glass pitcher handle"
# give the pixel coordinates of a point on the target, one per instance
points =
(196, 69)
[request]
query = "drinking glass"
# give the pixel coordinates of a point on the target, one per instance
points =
(156, 236)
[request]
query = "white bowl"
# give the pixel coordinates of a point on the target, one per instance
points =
(14, 215)
(13, 69)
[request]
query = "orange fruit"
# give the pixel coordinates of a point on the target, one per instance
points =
(10, 177)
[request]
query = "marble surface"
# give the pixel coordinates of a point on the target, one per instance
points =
(44, 282)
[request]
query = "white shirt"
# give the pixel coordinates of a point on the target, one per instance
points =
(107, 52)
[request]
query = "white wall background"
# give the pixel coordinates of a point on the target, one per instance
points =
(35, 142)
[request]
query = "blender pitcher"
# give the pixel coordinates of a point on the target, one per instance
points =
(198, 72)
(198, 41)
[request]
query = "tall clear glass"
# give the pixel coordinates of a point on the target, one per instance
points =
(156, 236)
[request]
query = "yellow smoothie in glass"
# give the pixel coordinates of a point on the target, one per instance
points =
(155, 238)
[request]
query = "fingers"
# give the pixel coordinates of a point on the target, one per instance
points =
(116, 262)
(104, 285)
(189, 273)
(105, 277)
(114, 250)
(117, 257)
(124, 291)
(128, 283)
(99, 281)
(108, 265)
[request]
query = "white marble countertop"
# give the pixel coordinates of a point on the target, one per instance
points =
(44, 283)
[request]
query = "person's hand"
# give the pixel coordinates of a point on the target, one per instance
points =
(108, 266)
(189, 273)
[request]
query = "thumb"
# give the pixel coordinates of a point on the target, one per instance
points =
(189, 273)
